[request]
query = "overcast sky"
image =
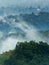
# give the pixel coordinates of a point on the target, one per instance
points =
(24, 2)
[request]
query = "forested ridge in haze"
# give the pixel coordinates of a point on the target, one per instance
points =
(20, 22)
(27, 53)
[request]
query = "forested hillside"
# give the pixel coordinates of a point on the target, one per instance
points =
(29, 53)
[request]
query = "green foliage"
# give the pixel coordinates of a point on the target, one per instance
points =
(29, 53)
(4, 57)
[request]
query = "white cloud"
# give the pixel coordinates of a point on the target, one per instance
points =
(30, 30)
(8, 44)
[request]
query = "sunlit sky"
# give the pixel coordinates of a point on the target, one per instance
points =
(24, 2)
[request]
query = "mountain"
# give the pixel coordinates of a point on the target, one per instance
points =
(41, 20)
(21, 10)
(15, 10)
(23, 27)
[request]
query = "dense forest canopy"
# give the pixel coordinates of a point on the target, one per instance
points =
(29, 53)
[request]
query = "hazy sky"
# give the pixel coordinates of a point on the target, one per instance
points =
(24, 2)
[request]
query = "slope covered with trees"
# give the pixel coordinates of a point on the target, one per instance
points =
(29, 53)
(4, 57)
